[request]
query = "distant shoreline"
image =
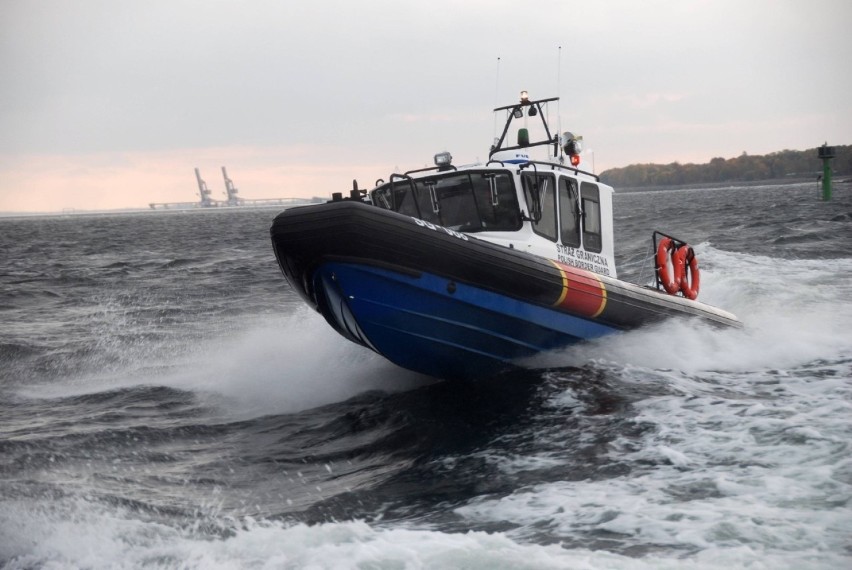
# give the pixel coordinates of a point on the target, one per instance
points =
(776, 167)
(786, 181)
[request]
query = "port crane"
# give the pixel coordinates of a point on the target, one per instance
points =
(232, 200)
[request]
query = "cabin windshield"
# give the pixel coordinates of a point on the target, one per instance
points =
(470, 201)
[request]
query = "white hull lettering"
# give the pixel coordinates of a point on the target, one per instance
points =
(582, 259)
(435, 228)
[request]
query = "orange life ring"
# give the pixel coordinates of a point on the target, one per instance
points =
(669, 272)
(691, 278)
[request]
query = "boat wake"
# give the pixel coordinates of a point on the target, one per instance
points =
(795, 312)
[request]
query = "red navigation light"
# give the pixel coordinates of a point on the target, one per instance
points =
(575, 159)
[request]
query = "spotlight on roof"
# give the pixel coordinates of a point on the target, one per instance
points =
(443, 160)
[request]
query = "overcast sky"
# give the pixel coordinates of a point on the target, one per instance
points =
(109, 104)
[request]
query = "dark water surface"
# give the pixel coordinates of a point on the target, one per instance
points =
(167, 402)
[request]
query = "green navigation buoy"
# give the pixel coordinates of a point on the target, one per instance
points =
(826, 153)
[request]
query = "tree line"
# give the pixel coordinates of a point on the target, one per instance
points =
(798, 164)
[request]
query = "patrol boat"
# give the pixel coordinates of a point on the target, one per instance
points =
(460, 272)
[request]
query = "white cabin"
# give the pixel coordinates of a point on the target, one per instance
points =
(543, 207)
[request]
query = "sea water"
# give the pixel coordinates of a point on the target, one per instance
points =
(166, 401)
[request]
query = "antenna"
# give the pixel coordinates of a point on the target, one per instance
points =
(559, 94)
(496, 96)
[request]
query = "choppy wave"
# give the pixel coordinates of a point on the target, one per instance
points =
(174, 406)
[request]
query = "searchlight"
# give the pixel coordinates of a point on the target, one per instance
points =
(443, 159)
(572, 146)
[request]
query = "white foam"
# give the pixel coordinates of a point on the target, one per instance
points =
(744, 450)
(288, 365)
(741, 525)
(76, 533)
(276, 365)
(80, 534)
(794, 312)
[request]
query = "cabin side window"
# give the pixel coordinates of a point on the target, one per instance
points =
(569, 212)
(592, 239)
(540, 193)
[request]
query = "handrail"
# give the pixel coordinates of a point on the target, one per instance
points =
(428, 168)
(393, 196)
(534, 208)
(549, 99)
(554, 166)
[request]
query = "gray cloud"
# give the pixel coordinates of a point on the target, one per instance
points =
(93, 76)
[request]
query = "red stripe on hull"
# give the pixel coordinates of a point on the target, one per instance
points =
(583, 293)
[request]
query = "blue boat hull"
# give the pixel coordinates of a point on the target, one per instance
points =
(435, 326)
(449, 305)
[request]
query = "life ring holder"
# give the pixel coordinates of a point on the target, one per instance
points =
(669, 275)
(676, 266)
